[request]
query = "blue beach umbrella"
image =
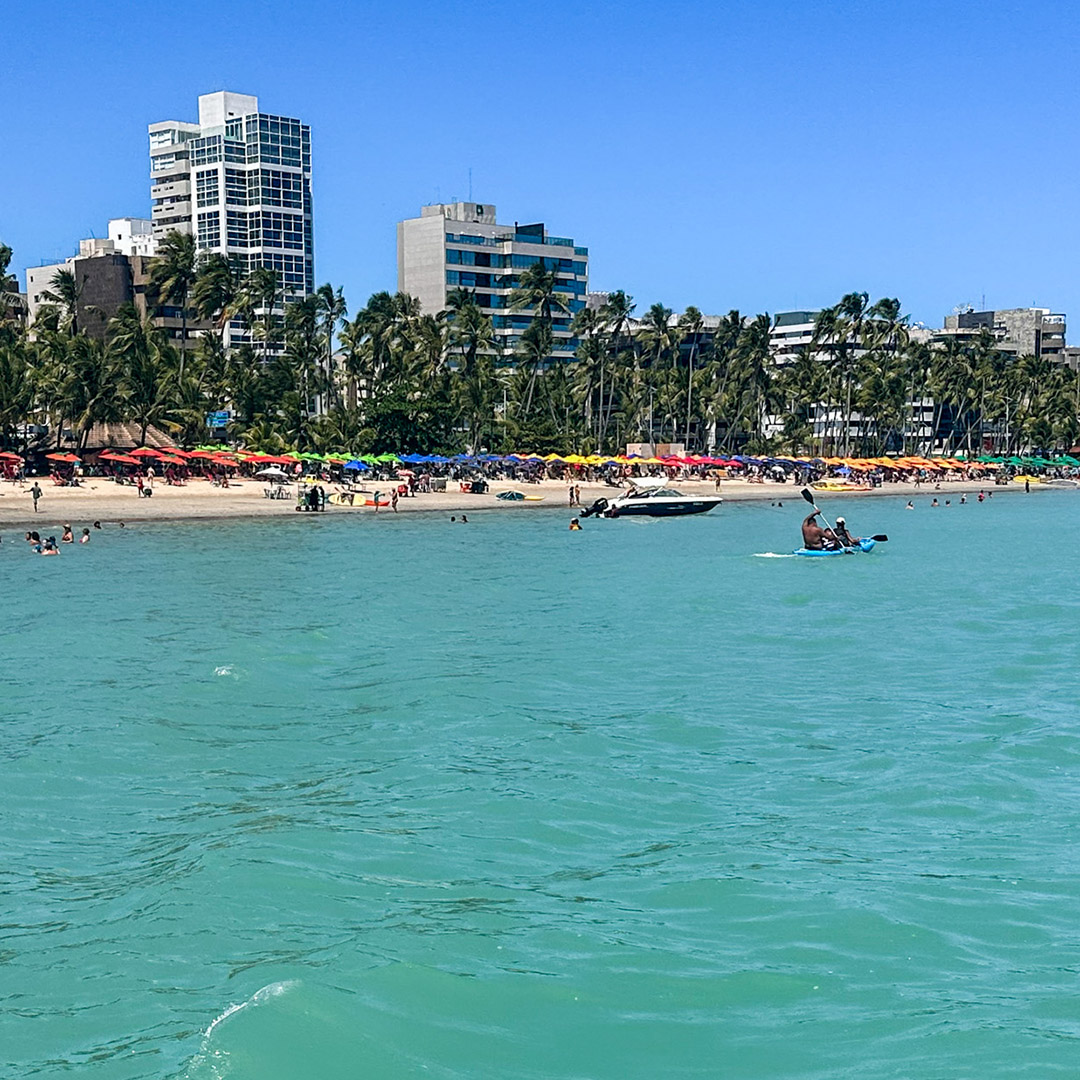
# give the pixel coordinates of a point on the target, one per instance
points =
(356, 466)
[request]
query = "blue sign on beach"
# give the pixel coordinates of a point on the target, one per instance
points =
(218, 419)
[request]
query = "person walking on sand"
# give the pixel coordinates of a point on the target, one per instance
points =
(35, 494)
(393, 500)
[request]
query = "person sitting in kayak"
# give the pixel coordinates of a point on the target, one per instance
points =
(814, 537)
(843, 536)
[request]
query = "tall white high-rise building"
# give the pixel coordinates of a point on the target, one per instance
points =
(240, 181)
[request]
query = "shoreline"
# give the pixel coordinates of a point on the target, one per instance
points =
(100, 500)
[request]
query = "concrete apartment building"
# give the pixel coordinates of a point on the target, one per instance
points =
(461, 246)
(105, 270)
(1018, 331)
(239, 181)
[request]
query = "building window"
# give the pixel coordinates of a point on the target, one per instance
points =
(283, 230)
(209, 230)
(206, 151)
(236, 228)
(236, 187)
(281, 188)
(206, 188)
(292, 270)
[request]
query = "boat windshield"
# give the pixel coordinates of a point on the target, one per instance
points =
(656, 493)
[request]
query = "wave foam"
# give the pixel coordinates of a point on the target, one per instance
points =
(265, 993)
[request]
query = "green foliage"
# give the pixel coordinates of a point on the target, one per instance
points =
(394, 378)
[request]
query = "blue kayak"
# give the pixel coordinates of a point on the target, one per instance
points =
(865, 544)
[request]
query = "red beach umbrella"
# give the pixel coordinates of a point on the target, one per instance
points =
(71, 459)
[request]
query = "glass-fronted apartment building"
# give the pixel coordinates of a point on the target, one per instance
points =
(240, 181)
(461, 246)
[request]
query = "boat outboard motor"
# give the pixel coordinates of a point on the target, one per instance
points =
(597, 508)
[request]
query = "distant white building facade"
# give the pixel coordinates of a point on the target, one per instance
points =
(461, 246)
(239, 181)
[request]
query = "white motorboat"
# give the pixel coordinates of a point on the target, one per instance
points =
(649, 496)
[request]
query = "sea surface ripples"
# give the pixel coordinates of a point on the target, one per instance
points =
(343, 797)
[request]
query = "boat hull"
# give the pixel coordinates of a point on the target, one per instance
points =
(641, 508)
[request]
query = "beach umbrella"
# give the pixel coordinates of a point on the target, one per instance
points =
(7, 455)
(272, 470)
(356, 466)
(123, 459)
(144, 451)
(70, 459)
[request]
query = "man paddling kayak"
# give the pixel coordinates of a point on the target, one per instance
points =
(814, 537)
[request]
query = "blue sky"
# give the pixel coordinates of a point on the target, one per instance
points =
(759, 155)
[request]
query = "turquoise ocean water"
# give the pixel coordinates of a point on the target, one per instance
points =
(346, 797)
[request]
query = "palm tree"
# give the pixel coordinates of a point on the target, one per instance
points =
(173, 272)
(145, 368)
(90, 390)
(471, 332)
(67, 292)
(657, 345)
(9, 284)
(691, 322)
(16, 388)
(537, 289)
(216, 289)
(332, 311)
(615, 314)
(261, 297)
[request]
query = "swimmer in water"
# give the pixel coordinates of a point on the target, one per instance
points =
(97, 524)
(910, 505)
(575, 525)
(85, 538)
(66, 536)
(935, 503)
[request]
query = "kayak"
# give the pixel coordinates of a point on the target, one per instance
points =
(840, 485)
(866, 544)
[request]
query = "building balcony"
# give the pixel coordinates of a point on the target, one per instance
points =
(170, 211)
